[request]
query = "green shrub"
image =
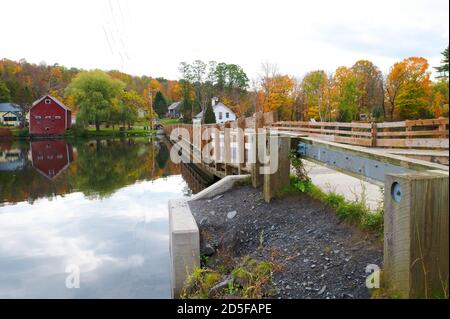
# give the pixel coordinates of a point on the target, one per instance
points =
(352, 211)
(334, 200)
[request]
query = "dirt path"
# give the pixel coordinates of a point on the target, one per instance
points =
(318, 256)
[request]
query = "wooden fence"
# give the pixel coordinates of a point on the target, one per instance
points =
(430, 133)
(234, 155)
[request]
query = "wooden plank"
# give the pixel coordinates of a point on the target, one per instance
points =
(418, 142)
(426, 122)
(353, 140)
(415, 133)
(324, 131)
(416, 250)
(391, 124)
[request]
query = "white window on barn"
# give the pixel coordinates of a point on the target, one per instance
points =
(37, 117)
(48, 101)
(48, 117)
(57, 117)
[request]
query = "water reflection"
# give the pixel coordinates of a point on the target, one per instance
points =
(97, 168)
(100, 205)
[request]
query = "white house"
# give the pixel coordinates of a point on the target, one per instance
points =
(10, 114)
(221, 111)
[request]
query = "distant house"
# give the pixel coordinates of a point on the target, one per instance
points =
(141, 113)
(48, 116)
(173, 110)
(222, 112)
(10, 114)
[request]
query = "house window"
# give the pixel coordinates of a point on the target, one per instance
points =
(37, 117)
(48, 101)
(10, 119)
(220, 115)
(227, 115)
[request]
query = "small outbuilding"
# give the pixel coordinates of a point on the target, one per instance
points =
(49, 116)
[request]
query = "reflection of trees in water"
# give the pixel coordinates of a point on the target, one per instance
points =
(163, 156)
(100, 168)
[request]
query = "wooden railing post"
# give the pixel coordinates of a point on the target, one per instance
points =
(240, 141)
(275, 182)
(416, 236)
(217, 149)
(227, 149)
(373, 130)
(257, 178)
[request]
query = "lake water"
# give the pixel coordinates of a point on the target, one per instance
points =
(94, 211)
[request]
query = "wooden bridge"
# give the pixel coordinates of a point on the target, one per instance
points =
(416, 219)
(405, 144)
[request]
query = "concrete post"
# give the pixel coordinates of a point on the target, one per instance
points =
(184, 242)
(274, 183)
(416, 234)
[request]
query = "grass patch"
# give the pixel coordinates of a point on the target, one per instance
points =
(356, 212)
(250, 278)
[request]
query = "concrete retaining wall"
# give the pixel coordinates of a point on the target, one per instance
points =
(184, 241)
(184, 238)
(225, 184)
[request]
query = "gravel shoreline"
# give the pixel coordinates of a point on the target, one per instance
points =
(318, 256)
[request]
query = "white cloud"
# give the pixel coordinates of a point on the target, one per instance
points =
(152, 37)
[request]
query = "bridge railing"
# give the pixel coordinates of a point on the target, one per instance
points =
(234, 155)
(429, 133)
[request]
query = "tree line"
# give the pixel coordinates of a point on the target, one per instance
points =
(353, 93)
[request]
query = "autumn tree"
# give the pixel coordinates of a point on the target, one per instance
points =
(370, 85)
(346, 94)
(408, 88)
(129, 105)
(314, 86)
(5, 95)
(160, 104)
(94, 93)
(439, 98)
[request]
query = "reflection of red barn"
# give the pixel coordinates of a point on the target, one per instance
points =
(50, 158)
(49, 116)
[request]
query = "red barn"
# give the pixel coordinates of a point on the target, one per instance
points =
(48, 116)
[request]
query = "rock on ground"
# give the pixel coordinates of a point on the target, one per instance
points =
(314, 253)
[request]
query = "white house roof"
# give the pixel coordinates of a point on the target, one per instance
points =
(220, 104)
(54, 100)
(174, 105)
(9, 107)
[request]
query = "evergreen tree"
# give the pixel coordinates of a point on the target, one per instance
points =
(443, 68)
(209, 117)
(160, 104)
(5, 95)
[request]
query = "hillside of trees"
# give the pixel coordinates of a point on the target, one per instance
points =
(407, 92)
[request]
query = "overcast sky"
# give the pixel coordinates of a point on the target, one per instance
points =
(151, 37)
